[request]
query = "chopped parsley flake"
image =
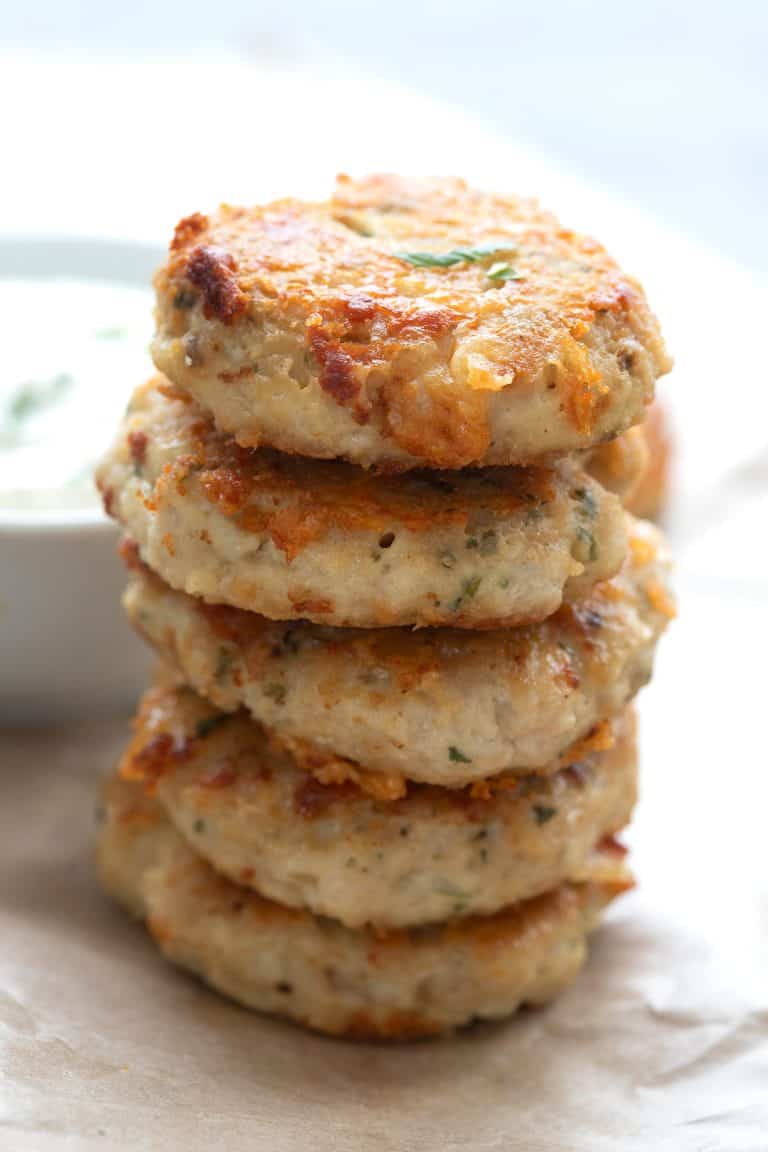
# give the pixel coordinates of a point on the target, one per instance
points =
(184, 298)
(456, 756)
(290, 643)
(587, 511)
(224, 663)
(588, 544)
(501, 272)
(586, 501)
(488, 542)
(448, 888)
(468, 592)
(542, 813)
(449, 259)
(209, 724)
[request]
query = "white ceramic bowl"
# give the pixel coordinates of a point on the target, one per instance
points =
(65, 647)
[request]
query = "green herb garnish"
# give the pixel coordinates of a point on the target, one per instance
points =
(449, 259)
(456, 756)
(199, 826)
(542, 813)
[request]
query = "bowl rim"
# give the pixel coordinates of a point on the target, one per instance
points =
(47, 522)
(145, 253)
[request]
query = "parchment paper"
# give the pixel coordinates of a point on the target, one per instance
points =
(663, 1041)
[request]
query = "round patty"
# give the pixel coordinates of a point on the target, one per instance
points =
(405, 324)
(649, 496)
(619, 465)
(433, 854)
(442, 706)
(323, 540)
(396, 985)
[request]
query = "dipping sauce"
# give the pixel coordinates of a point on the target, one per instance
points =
(73, 351)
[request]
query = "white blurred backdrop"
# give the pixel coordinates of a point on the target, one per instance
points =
(664, 104)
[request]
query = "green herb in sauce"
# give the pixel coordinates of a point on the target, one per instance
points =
(28, 399)
(61, 397)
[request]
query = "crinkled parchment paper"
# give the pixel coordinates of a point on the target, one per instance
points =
(662, 1043)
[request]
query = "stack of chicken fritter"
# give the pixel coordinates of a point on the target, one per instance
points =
(374, 519)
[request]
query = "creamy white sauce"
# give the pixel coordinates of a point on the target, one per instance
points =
(73, 351)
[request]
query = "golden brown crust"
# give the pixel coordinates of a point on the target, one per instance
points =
(168, 735)
(214, 273)
(361, 855)
(619, 464)
(392, 984)
(335, 496)
(416, 304)
(324, 540)
(440, 705)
